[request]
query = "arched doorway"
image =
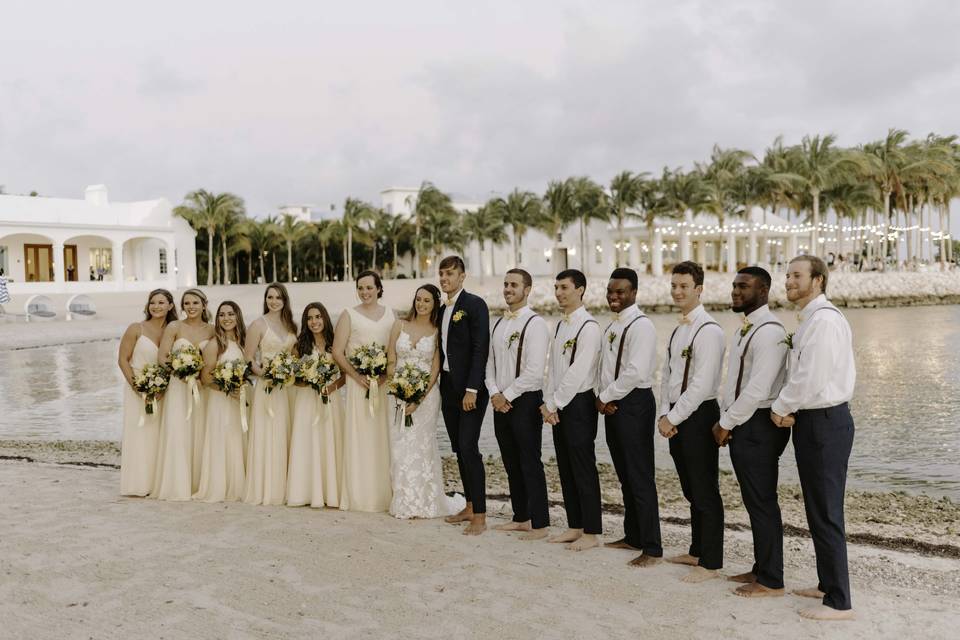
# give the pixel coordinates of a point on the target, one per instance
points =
(89, 258)
(28, 257)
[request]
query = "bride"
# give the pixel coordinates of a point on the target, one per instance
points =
(415, 468)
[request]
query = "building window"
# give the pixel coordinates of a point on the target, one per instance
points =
(163, 261)
(101, 261)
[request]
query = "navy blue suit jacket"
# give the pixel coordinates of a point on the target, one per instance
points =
(468, 344)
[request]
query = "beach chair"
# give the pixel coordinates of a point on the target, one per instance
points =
(82, 307)
(39, 307)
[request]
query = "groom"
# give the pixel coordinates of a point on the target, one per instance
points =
(464, 343)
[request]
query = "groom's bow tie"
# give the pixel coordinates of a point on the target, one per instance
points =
(685, 320)
(566, 318)
(511, 315)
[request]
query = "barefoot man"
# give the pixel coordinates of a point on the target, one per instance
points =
(625, 398)
(518, 356)
(689, 409)
(820, 381)
(755, 373)
(464, 343)
(568, 405)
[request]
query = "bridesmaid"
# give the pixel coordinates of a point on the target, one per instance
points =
(365, 474)
(316, 445)
(178, 460)
(221, 463)
(138, 348)
(269, 334)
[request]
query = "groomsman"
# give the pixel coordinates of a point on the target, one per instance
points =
(464, 343)
(625, 399)
(689, 409)
(569, 406)
(820, 381)
(515, 368)
(755, 374)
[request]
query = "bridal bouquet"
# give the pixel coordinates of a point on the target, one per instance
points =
(150, 382)
(370, 360)
(186, 362)
(230, 375)
(409, 385)
(317, 371)
(280, 370)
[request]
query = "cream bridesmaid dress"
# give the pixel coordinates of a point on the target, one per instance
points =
(269, 431)
(174, 476)
(138, 450)
(365, 474)
(222, 457)
(316, 449)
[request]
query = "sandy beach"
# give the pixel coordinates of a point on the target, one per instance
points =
(81, 561)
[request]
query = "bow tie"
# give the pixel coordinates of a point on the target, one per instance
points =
(685, 320)
(566, 318)
(511, 315)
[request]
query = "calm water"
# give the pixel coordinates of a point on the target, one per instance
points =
(906, 407)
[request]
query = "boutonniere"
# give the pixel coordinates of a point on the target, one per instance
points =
(611, 338)
(745, 329)
(686, 353)
(513, 338)
(788, 341)
(459, 315)
(569, 344)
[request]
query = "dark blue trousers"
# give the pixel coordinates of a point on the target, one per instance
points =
(520, 436)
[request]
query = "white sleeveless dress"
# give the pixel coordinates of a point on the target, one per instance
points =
(316, 448)
(174, 475)
(269, 431)
(221, 460)
(415, 467)
(138, 449)
(365, 475)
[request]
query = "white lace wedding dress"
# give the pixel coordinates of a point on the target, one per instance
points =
(415, 468)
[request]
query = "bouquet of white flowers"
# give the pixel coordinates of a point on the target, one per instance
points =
(280, 370)
(317, 371)
(409, 385)
(186, 362)
(370, 360)
(230, 375)
(150, 382)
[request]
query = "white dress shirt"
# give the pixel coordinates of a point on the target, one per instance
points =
(447, 314)
(565, 380)
(705, 368)
(820, 372)
(764, 368)
(639, 362)
(502, 361)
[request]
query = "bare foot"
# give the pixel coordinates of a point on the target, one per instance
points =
(699, 574)
(534, 534)
(584, 542)
(745, 578)
(478, 524)
(686, 558)
(823, 612)
(757, 590)
(465, 515)
(514, 526)
(620, 544)
(810, 592)
(643, 560)
(567, 536)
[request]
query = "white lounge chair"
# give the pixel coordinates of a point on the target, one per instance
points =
(81, 306)
(39, 307)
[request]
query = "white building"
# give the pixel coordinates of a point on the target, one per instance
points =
(301, 212)
(58, 245)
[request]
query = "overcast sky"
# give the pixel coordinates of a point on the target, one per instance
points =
(291, 102)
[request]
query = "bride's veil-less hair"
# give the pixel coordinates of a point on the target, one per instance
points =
(205, 314)
(171, 312)
(286, 316)
(241, 328)
(435, 312)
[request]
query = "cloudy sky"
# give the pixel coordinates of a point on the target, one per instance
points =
(314, 101)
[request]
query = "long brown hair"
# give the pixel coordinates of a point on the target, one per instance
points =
(286, 316)
(171, 312)
(435, 312)
(205, 314)
(305, 339)
(241, 328)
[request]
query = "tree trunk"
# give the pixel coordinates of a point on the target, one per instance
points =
(323, 261)
(394, 263)
(274, 272)
(209, 256)
(350, 253)
(226, 263)
(815, 237)
(516, 250)
(618, 259)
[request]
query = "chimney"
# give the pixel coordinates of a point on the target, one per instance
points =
(96, 194)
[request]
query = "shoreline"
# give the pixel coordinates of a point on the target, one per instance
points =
(890, 520)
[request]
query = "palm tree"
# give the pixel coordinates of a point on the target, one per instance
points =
(205, 210)
(558, 212)
(523, 210)
(887, 159)
(626, 191)
(430, 207)
(680, 192)
(291, 230)
(326, 232)
(355, 213)
(230, 227)
(377, 228)
(399, 230)
(485, 224)
(590, 202)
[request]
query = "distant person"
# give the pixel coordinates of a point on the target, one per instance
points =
(70, 271)
(100, 272)
(93, 276)
(814, 401)
(4, 294)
